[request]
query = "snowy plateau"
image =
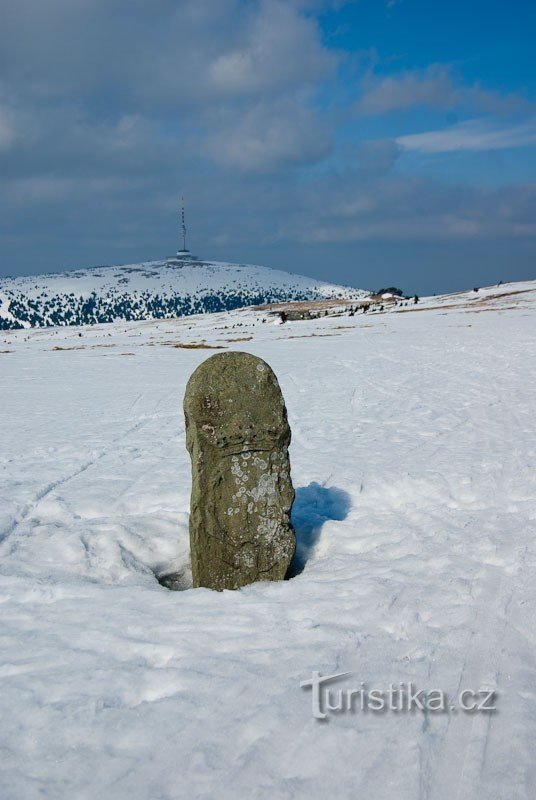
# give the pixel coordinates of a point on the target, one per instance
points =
(151, 290)
(414, 459)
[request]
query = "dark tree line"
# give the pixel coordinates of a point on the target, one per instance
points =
(70, 309)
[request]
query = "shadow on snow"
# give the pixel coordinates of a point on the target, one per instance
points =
(314, 505)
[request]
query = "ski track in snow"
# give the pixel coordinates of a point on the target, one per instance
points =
(413, 455)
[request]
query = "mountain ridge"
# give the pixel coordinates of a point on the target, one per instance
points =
(152, 290)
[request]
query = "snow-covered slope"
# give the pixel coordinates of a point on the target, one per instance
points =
(152, 290)
(414, 458)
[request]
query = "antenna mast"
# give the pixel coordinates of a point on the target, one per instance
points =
(183, 255)
(183, 225)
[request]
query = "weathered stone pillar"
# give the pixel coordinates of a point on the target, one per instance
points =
(238, 435)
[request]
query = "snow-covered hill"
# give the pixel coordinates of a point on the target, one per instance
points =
(151, 290)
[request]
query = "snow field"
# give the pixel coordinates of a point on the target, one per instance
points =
(413, 456)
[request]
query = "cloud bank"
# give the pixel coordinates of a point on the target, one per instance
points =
(110, 111)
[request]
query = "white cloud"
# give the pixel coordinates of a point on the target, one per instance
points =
(352, 207)
(161, 52)
(230, 79)
(279, 48)
(267, 137)
(433, 87)
(472, 135)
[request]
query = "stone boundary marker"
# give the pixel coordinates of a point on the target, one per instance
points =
(237, 434)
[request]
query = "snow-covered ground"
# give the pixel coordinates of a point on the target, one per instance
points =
(414, 460)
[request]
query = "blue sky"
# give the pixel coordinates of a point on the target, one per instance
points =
(373, 142)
